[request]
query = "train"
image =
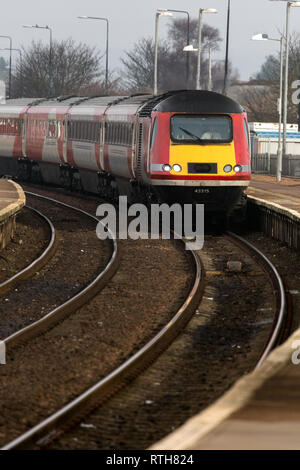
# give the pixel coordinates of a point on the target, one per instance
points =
(184, 146)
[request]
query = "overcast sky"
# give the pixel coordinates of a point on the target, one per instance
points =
(130, 20)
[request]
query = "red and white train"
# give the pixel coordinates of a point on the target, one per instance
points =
(181, 146)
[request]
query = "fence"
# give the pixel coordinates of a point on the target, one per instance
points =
(264, 157)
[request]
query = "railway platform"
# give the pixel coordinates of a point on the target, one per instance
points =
(12, 199)
(262, 410)
(286, 193)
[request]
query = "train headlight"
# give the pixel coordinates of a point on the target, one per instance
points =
(237, 168)
(177, 168)
(227, 168)
(167, 167)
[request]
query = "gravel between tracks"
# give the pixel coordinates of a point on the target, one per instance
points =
(20, 252)
(151, 284)
(222, 342)
(79, 258)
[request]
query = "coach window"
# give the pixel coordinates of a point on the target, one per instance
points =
(87, 136)
(52, 129)
(79, 131)
(18, 126)
(97, 131)
(154, 133)
(2, 126)
(59, 127)
(10, 129)
(120, 133)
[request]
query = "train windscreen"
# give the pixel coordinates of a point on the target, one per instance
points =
(193, 129)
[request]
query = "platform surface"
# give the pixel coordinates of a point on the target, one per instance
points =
(12, 198)
(262, 410)
(286, 193)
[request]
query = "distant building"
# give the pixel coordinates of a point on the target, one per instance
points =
(264, 148)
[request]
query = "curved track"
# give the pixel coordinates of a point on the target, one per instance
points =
(39, 262)
(52, 427)
(282, 314)
(73, 303)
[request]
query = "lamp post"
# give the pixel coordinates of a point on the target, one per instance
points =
(9, 76)
(157, 16)
(227, 51)
(16, 50)
(201, 11)
(187, 39)
(190, 48)
(36, 26)
(209, 86)
(106, 53)
(286, 72)
(265, 37)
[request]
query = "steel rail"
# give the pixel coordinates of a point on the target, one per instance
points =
(72, 304)
(39, 262)
(54, 425)
(278, 286)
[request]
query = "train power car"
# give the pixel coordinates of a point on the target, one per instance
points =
(180, 146)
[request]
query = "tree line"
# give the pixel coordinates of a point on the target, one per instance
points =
(260, 96)
(72, 68)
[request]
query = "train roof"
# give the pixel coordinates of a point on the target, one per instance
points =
(187, 101)
(197, 101)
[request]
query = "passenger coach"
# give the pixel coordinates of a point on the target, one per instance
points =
(181, 146)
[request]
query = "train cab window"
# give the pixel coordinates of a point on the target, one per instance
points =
(154, 132)
(208, 129)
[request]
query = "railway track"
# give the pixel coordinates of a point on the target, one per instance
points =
(74, 302)
(282, 317)
(55, 425)
(39, 261)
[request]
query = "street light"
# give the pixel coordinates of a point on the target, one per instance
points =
(9, 77)
(209, 86)
(187, 39)
(201, 11)
(36, 26)
(106, 54)
(286, 85)
(190, 48)
(265, 37)
(227, 51)
(157, 15)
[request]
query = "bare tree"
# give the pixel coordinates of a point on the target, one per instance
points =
(72, 66)
(172, 60)
(259, 100)
(139, 67)
(3, 69)
(268, 76)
